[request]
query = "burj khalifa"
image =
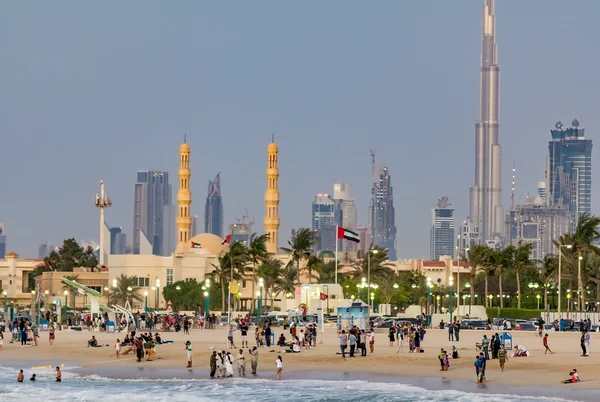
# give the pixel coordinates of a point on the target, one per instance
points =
(486, 210)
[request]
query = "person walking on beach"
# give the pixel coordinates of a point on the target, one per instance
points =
(213, 364)
(149, 346)
(477, 365)
(139, 349)
(451, 332)
(582, 344)
(51, 335)
(230, 337)
(586, 341)
(254, 359)
(244, 332)
(456, 330)
(482, 366)
(485, 345)
(241, 363)
(343, 343)
(545, 342)
(496, 346)
(372, 341)
(58, 374)
(118, 348)
(279, 366)
(188, 351)
(502, 357)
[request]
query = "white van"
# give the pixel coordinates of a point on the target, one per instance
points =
(278, 317)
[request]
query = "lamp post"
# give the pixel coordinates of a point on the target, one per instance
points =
(369, 267)
(306, 287)
(451, 295)
(569, 246)
(468, 285)
(129, 290)
(374, 286)
(207, 294)
(146, 301)
(580, 294)
(66, 293)
(157, 294)
(428, 295)
(538, 300)
(4, 300)
(364, 286)
(396, 286)
(114, 287)
(259, 294)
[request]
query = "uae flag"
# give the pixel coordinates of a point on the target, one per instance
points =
(227, 240)
(323, 296)
(347, 234)
(196, 245)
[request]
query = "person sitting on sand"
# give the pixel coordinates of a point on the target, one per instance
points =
(93, 342)
(157, 339)
(455, 353)
(574, 378)
(281, 340)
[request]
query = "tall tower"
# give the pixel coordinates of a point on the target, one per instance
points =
(184, 199)
(486, 210)
(272, 198)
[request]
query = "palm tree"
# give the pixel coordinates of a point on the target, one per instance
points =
(122, 292)
(257, 254)
(548, 273)
(270, 271)
(301, 244)
(312, 266)
(592, 270)
(326, 272)
(69, 289)
(231, 267)
(522, 262)
(498, 260)
(476, 259)
(286, 282)
(585, 236)
(380, 268)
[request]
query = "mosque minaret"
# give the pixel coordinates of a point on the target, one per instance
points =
(184, 199)
(272, 198)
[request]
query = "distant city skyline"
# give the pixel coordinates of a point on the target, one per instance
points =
(331, 94)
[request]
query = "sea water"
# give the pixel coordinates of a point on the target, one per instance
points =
(76, 387)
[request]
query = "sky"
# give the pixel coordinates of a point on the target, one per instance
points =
(98, 90)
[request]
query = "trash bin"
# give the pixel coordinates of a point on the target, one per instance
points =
(44, 325)
(110, 326)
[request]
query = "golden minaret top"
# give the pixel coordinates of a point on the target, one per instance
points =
(272, 198)
(184, 199)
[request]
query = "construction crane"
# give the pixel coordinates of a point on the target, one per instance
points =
(373, 161)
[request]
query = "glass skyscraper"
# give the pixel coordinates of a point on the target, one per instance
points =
(382, 215)
(213, 210)
(152, 193)
(570, 169)
(442, 230)
(323, 222)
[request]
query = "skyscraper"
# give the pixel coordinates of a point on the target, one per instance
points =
(345, 213)
(194, 225)
(382, 215)
(44, 250)
(2, 242)
(213, 211)
(118, 241)
(240, 232)
(569, 168)
(442, 230)
(113, 234)
(486, 193)
(323, 220)
(152, 193)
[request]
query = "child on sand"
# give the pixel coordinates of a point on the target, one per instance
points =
(279, 366)
(545, 342)
(446, 361)
(118, 348)
(502, 357)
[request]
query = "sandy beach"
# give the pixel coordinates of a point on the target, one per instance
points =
(539, 371)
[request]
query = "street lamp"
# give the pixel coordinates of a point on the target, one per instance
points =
(146, 301)
(468, 286)
(129, 290)
(538, 300)
(451, 295)
(569, 246)
(374, 286)
(396, 286)
(306, 287)
(428, 298)
(114, 290)
(157, 293)
(371, 251)
(4, 300)
(207, 294)
(259, 294)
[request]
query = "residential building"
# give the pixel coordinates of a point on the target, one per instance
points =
(44, 250)
(240, 232)
(382, 215)
(569, 168)
(345, 213)
(442, 230)
(536, 223)
(364, 237)
(469, 236)
(152, 193)
(323, 222)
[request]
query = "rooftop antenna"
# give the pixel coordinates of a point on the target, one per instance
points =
(512, 196)
(373, 161)
(185, 138)
(273, 137)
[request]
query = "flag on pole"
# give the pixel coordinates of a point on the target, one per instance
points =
(323, 296)
(227, 240)
(48, 266)
(343, 233)
(196, 245)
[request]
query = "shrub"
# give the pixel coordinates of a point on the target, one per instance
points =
(514, 313)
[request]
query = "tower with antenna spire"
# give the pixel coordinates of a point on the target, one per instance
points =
(271, 220)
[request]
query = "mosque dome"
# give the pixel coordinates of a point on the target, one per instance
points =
(273, 148)
(185, 147)
(209, 242)
(327, 254)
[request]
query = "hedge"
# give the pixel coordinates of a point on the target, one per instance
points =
(515, 313)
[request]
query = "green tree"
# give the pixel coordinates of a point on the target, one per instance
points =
(122, 292)
(326, 272)
(71, 255)
(271, 272)
(232, 266)
(286, 283)
(476, 258)
(522, 263)
(380, 268)
(257, 254)
(585, 236)
(312, 267)
(300, 244)
(184, 295)
(496, 262)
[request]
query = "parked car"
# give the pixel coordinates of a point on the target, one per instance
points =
(473, 324)
(527, 326)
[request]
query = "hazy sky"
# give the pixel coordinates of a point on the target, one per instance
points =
(99, 90)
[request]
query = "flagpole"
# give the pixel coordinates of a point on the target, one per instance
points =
(231, 268)
(336, 251)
